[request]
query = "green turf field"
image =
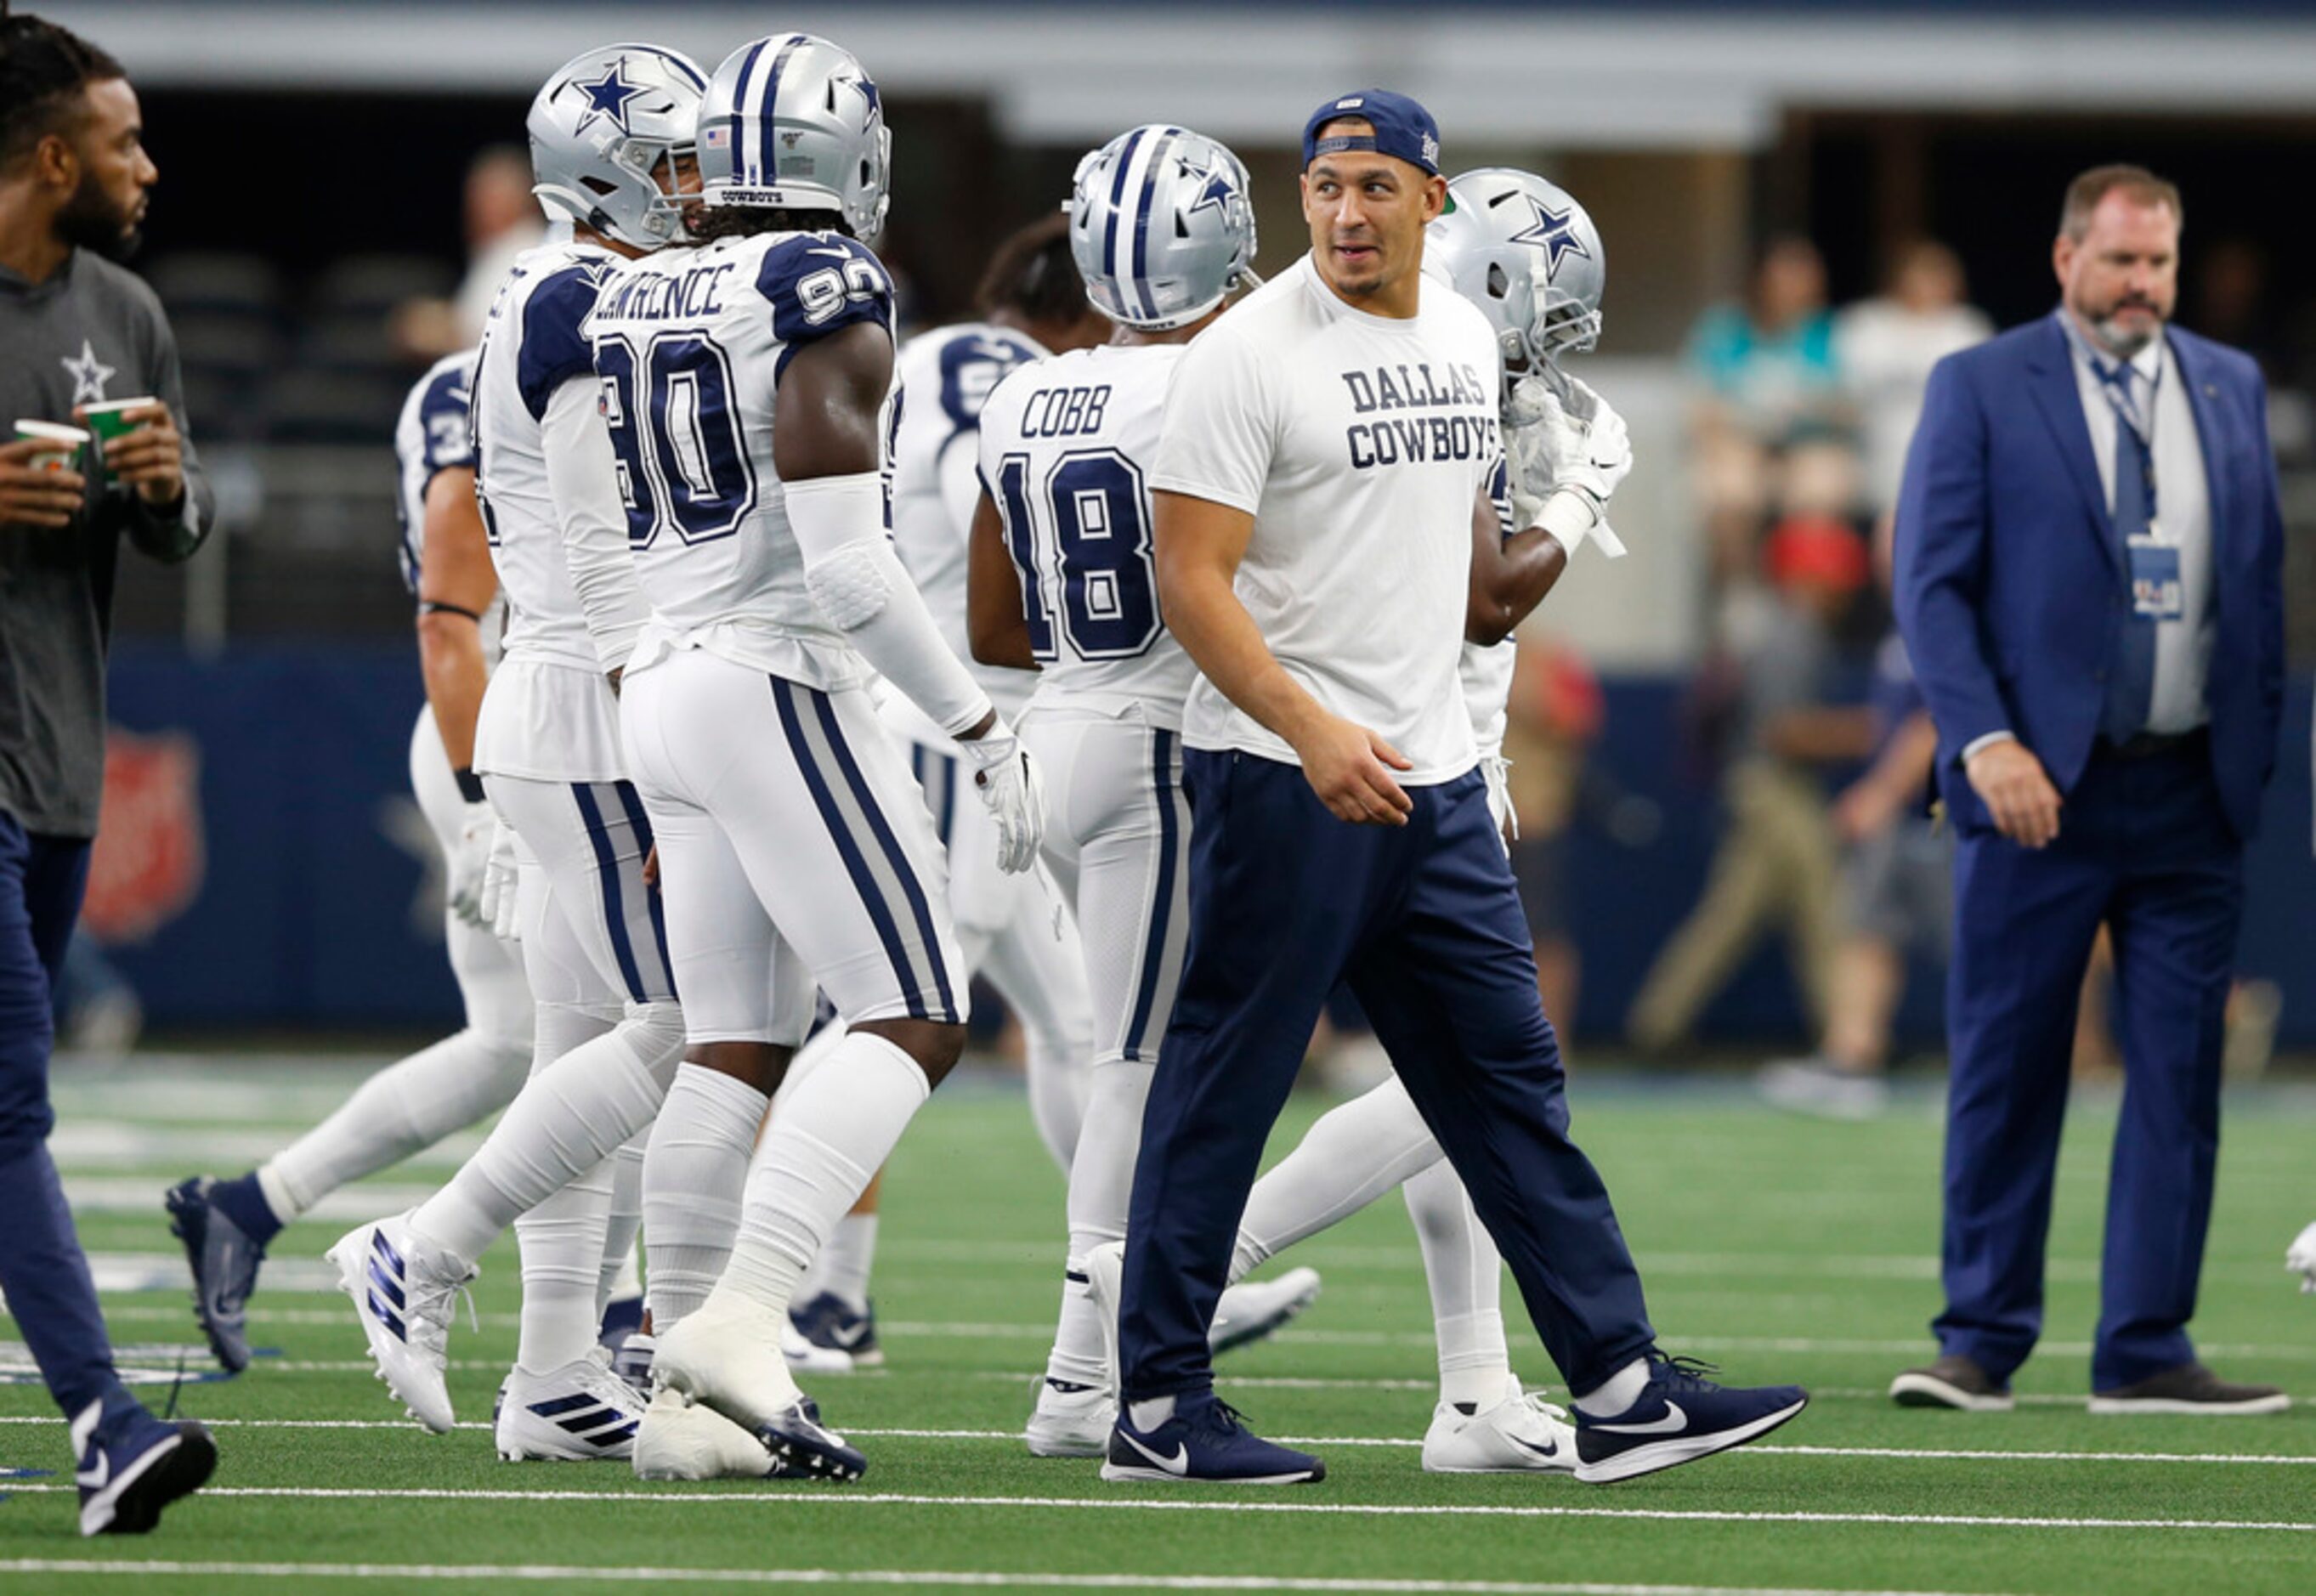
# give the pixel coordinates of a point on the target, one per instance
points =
(1784, 1250)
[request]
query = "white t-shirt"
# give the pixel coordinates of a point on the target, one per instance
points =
(1885, 352)
(1358, 444)
(1066, 447)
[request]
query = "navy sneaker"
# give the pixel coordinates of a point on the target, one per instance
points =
(832, 1337)
(225, 1259)
(623, 1318)
(132, 1465)
(1206, 1441)
(1679, 1417)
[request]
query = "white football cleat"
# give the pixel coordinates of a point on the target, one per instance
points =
(1520, 1434)
(1073, 1423)
(726, 1354)
(2300, 1258)
(402, 1289)
(689, 1440)
(579, 1413)
(1253, 1309)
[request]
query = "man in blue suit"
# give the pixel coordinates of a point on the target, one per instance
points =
(2089, 578)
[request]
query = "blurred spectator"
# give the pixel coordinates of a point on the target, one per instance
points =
(1768, 364)
(1884, 349)
(1776, 863)
(501, 221)
(1553, 717)
(1897, 896)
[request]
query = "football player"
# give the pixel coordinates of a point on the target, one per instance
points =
(227, 1224)
(1161, 232)
(743, 380)
(610, 144)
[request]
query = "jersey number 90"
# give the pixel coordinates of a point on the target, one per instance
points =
(1090, 515)
(683, 461)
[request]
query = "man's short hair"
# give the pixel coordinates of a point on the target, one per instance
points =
(1033, 275)
(2137, 183)
(43, 69)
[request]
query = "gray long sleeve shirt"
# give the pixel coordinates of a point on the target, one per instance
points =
(91, 332)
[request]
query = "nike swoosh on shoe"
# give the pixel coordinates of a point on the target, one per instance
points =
(1674, 1420)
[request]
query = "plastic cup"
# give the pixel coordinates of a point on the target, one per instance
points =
(105, 420)
(68, 443)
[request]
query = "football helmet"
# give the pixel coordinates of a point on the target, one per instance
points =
(1160, 227)
(605, 132)
(1525, 251)
(793, 122)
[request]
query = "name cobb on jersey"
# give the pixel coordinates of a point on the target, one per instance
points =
(1413, 440)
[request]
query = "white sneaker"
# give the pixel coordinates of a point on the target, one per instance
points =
(687, 1441)
(1520, 1434)
(1822, 1091)
(806, 1357)
(1075, 1423)
(401, 1289)
(726, 1354)
(576, 1413)
(1253, 1309)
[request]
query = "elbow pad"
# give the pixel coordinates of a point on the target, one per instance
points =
(852, 586)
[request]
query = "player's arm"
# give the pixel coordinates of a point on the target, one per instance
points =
(994, 621)
(583, 479)
(1201, 543)
(456, 585)
(1510, 576)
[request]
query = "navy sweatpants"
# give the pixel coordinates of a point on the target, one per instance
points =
(2143, 846)
(1423, 921)
(42, 1268)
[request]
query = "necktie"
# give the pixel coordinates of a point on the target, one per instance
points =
(2131, 673)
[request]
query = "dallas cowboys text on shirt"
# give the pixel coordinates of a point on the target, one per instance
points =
(1392, 439)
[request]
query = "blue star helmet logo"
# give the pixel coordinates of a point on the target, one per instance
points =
(608, 97)
(1217, 193)
(1554, 233)
(867, 89)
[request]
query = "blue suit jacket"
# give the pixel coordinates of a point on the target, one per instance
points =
(2010, 584)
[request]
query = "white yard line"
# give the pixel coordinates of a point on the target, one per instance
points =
(812, 1496)
(971, 1579)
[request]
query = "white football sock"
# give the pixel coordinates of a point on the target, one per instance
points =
(620, 1279)
(561, 1242)
(404, 1107)
(1351, 1156)
(567, 1119)
(830, 1135)
(694, 1173)
(1038, 965)
(1101, 1185)
(845, 1260)
(1465, 1275)
(1624, 1389)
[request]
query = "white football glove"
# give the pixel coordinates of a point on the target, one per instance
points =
(1012, 791)
(495, 903)
(469, 855)
(2302, 1257)
(1575, 450)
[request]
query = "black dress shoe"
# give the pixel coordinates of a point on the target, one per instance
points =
(2190, 1388)
(1952, 1381)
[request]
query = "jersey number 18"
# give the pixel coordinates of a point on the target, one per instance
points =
(1094, 524)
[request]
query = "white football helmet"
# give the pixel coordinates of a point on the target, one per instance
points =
(1160, 227)
(793, 122)
(605, 132)
(1524, 251)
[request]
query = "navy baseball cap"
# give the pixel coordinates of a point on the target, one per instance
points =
(1402, 128)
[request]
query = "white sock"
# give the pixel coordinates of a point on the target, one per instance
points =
(568, 1118)
(1351, 1156)
(619, 1277)
(561, 1241)
(1038, 965)
(1624, 1389)
(1465, 1275)
(1148, 1415)
(845, 1261)
(694, 1172)
(1101, 1185)
(831, 1135)
(404, 1107)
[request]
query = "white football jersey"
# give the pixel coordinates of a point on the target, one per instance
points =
(1359, 444)
(531, 347)
(1066, 449)
(433, 435)
(690, 345)
(945, 378)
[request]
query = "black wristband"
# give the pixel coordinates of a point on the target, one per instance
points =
(437, 607)
(470, 785)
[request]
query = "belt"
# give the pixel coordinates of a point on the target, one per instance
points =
(2155, 745)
